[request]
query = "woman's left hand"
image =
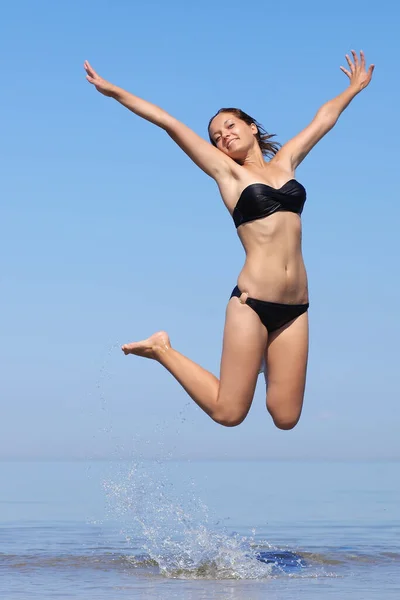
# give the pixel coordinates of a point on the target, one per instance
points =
(358, 75)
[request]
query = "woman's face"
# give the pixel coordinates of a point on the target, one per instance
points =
(232, 136)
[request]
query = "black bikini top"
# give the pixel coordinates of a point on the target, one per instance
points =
(260, 200)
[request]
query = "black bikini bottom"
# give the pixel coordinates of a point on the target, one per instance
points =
(272, 314)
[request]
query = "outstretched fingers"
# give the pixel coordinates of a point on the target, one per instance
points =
(363, 67)
(87, 67)
(355, 58)
(357, 72)
(349, 62)
(89, 70)
(101, 85)
(345, 71)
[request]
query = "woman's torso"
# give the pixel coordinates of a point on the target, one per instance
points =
(274, 269)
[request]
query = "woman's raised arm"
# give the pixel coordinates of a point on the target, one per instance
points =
(295, 150)
(211, 160)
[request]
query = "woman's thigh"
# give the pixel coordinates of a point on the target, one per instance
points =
(244, 343)
(286, 360)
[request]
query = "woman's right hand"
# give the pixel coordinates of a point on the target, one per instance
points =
(103, 86)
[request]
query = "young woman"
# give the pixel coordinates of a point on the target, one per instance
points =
(266, 317)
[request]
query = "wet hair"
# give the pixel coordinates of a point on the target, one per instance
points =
(263, 138)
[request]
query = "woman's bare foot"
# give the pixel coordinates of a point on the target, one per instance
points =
(150, 348)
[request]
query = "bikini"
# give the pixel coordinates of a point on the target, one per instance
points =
(259, 200)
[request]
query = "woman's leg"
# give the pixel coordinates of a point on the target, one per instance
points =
(286, 360)
(227, 400)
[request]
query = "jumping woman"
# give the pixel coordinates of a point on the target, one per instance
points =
(266, 316)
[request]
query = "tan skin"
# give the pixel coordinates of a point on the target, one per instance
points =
(273, 270)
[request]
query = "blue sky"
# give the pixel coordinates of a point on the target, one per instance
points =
(109, 232)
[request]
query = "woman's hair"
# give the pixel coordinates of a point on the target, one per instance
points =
(267, 148)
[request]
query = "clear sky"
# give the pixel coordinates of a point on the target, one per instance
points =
(109, 232)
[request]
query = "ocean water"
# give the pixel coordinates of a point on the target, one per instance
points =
(200, 530)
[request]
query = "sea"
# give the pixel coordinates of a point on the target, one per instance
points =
(226, 530)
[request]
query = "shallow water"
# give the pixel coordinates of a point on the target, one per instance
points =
(194, 530)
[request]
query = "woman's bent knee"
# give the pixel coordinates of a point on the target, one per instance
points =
(284, 419)
(285, 423)
(229, 419)
(285, 410)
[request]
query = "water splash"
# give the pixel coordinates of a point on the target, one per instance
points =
(174, 530)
